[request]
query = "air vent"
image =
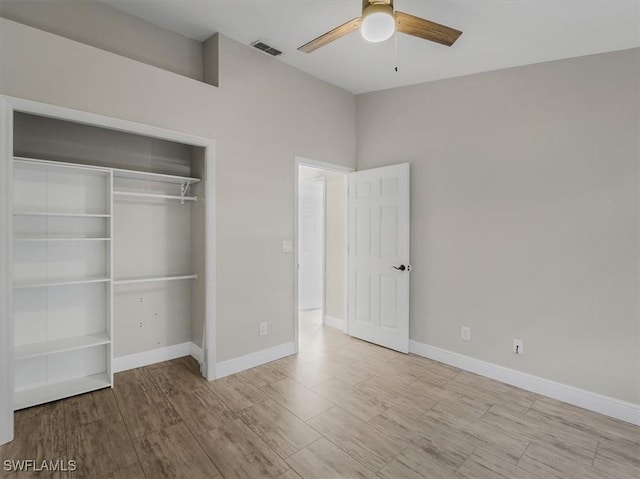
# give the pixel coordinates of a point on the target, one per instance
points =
(266, 48)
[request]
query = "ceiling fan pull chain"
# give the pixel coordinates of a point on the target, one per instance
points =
(395, 46)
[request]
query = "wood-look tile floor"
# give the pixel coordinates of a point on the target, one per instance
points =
(342, 408)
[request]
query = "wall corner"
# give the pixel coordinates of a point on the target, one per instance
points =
(210, 60)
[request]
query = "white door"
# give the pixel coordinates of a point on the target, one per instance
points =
(379, 227)
(311, 241)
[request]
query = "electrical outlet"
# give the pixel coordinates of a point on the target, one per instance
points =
(518, 347)
(263, 329)
(465, 333)
(287, 246)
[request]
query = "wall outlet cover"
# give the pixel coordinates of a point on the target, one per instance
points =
(287, 246)
(465, 333)
(263, 329)
(518, 347)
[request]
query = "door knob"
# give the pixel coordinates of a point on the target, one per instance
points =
(400, 268)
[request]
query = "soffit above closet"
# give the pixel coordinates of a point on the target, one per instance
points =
(497, 34)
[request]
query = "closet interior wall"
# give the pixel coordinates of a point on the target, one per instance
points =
(151, 237)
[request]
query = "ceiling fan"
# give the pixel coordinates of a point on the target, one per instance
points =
(379, 22)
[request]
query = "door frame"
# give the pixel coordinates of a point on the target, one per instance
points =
(9, 105)
(332, 168)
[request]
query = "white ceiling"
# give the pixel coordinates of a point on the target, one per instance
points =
(497, 34)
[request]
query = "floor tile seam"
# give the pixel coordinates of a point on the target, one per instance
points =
(593, 462)
(118, 413)
(126, 428)
(517, 463)
(569, 436)
(206, 452)
(193, 435)
(408, 446)
(235, 411)
(267, 444)
(353, 458)
(524, 452)
(65, 433)
(596, 433)
(307, 446)
(466, 459)
(305, 421)
(383, 433)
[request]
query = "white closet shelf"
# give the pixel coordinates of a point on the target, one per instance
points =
(157, 177)
(155, 195)
(62, 164)
(69, 215)
(117, 172)
(49, 238)
(55, 391)
(155, 279)
(33, 350)
(60, 282)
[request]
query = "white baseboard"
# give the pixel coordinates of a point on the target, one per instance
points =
(599, 403)
(196, 352)
(236, 365)
(132, 361)
(225, 368)
(334, 322)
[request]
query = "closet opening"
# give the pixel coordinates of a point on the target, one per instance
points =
(113, 239)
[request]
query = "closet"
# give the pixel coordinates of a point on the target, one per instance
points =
(109, 246)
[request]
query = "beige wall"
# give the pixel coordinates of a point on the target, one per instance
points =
(335, 239)
(525, 214)
(260, 118)
(105, 27)
(336, 288)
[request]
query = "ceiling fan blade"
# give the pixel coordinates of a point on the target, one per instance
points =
(331, 36)
(419, 27)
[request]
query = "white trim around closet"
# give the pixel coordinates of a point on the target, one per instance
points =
(9, 105)
(6, 271)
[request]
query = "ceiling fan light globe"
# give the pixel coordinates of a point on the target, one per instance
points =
(378, 23)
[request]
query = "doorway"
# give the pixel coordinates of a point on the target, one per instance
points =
(362, 268)
(321, 218)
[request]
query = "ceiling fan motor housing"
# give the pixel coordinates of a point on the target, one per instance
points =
(378, 22)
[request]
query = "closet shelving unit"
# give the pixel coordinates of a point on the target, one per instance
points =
(63, 286)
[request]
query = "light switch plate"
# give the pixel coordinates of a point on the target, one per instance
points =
(287, 246)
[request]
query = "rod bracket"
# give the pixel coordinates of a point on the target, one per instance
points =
(184, 187)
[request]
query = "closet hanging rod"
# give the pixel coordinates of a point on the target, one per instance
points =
(156, 279)
(154, 195)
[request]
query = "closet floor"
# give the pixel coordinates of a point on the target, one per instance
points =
(342, 408)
